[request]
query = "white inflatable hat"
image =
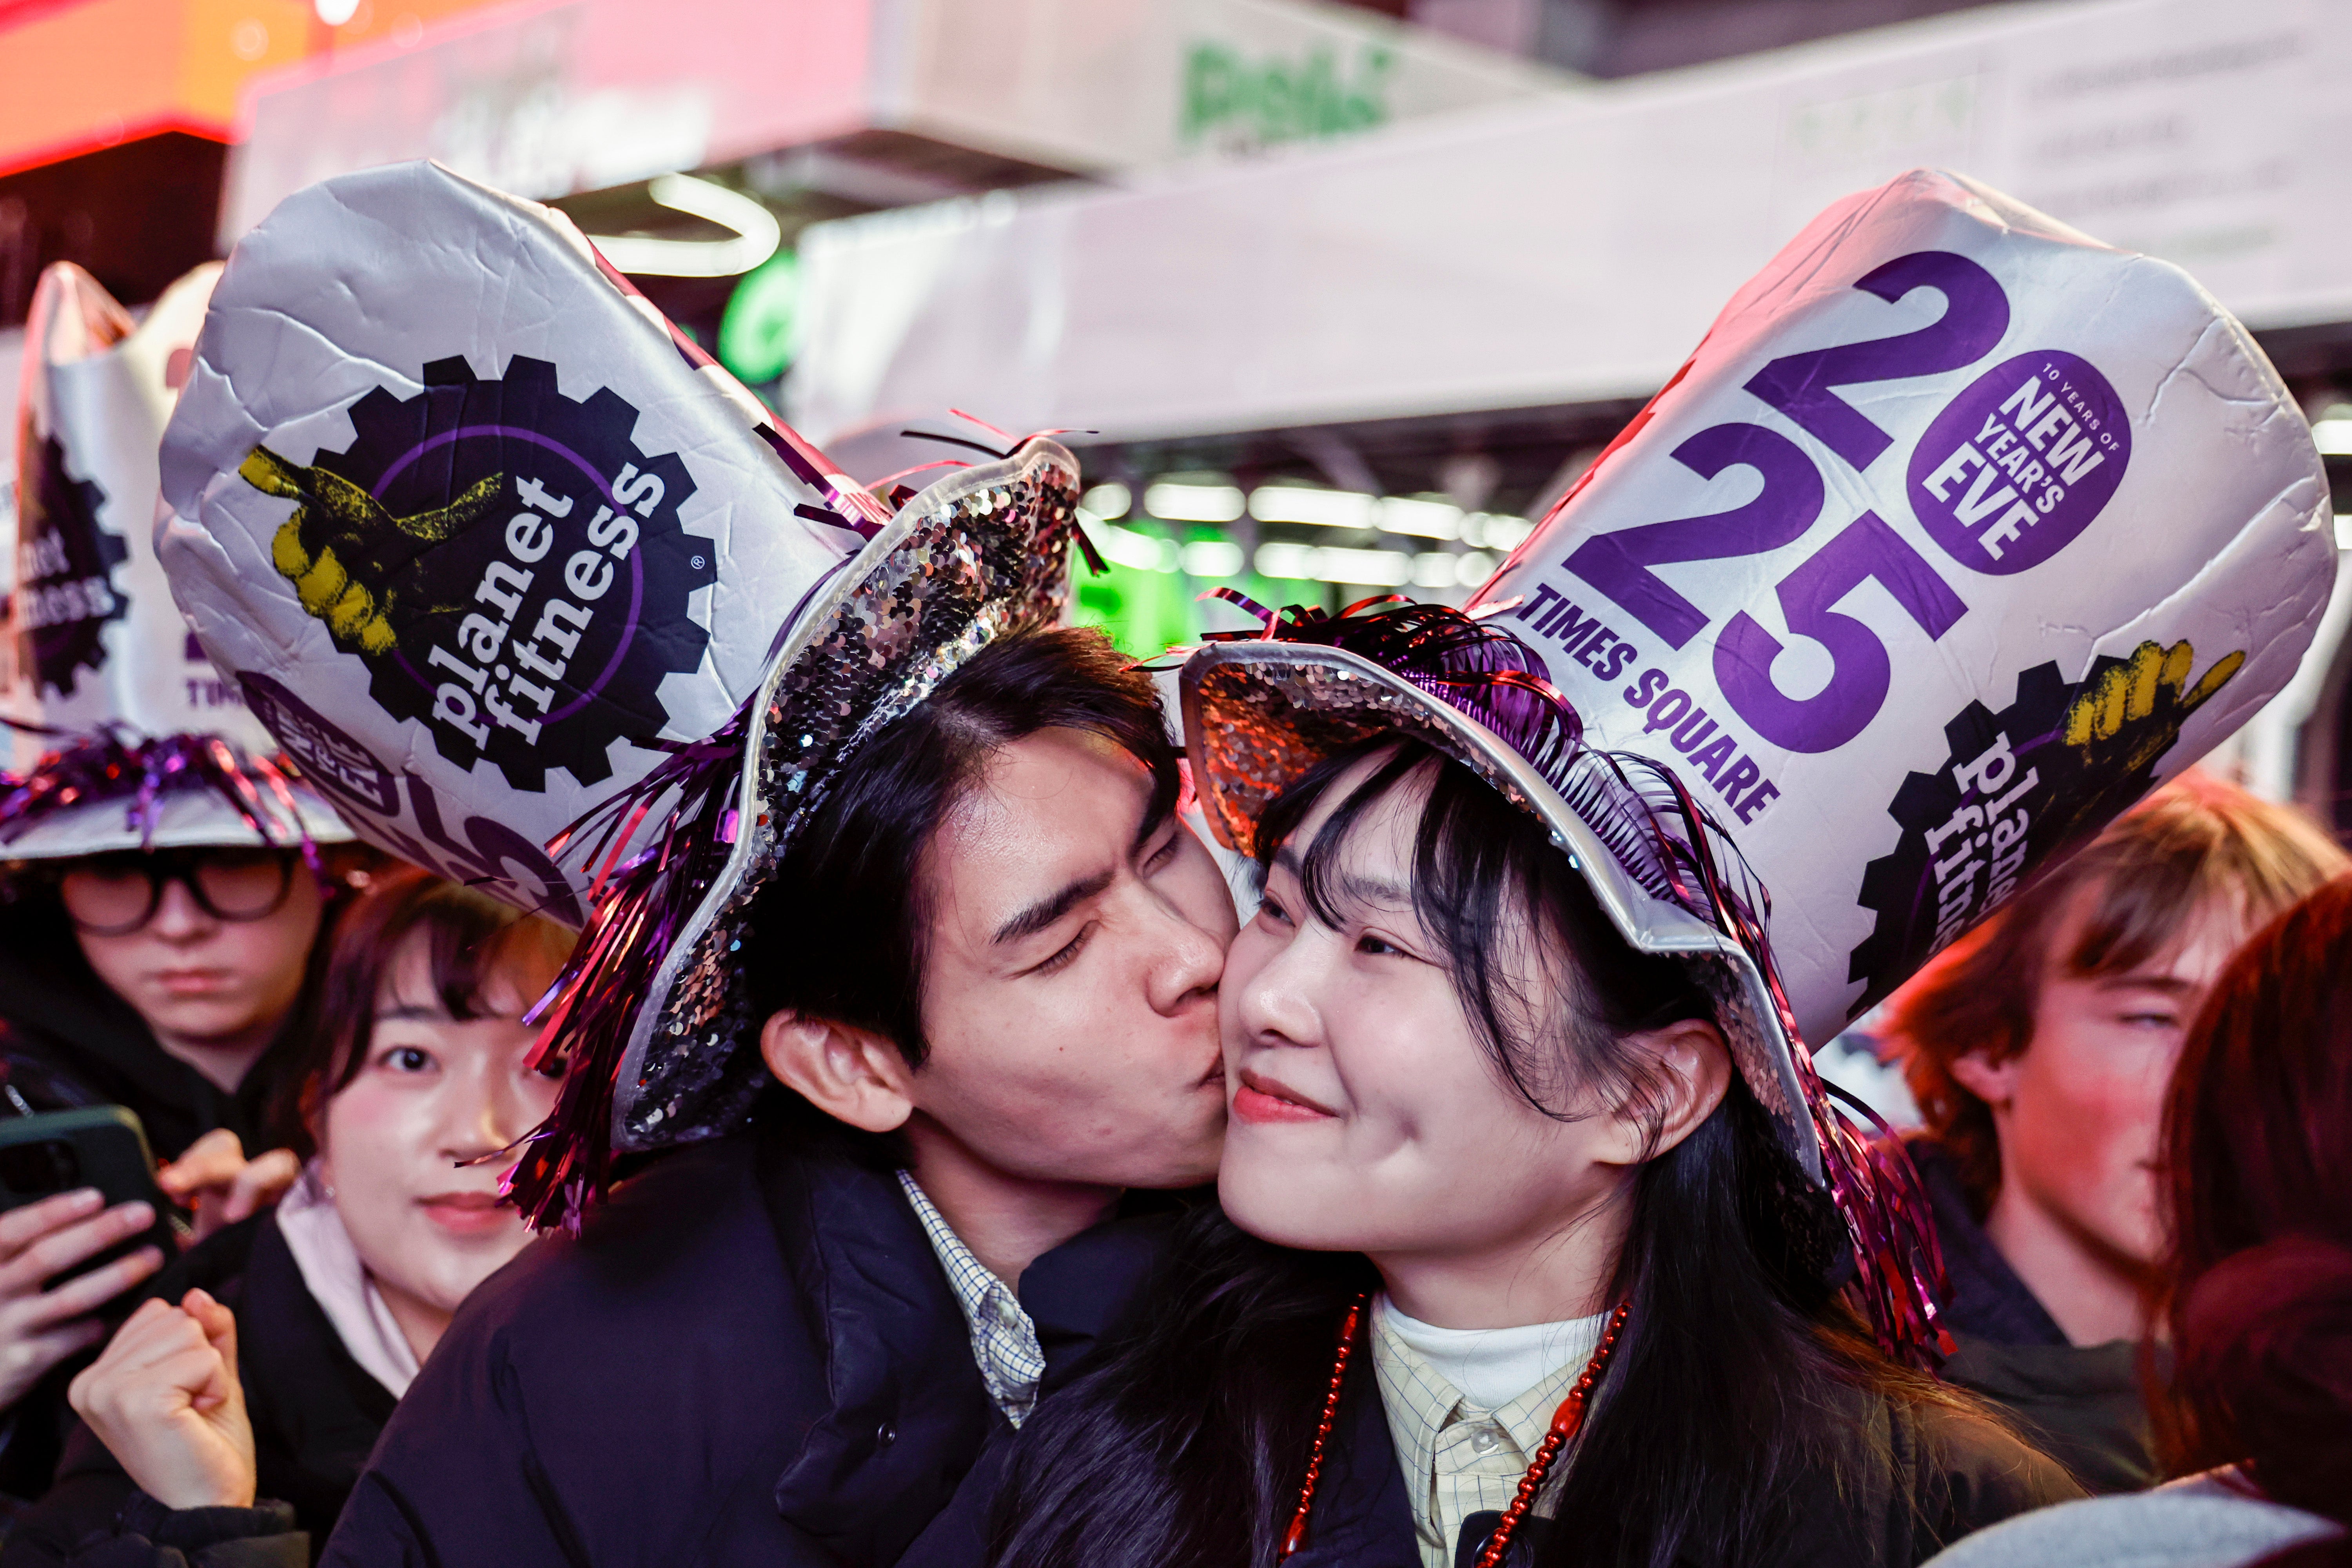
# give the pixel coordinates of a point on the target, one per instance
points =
(1958, 533)
(124, 735)
(548, 603)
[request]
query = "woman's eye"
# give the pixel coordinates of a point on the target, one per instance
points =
(1378, 946)
(2152, 1020)
(1163, 851)
(408, 1059)
(1270, 911)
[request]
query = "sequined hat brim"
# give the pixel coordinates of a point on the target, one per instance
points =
(1259, 714)
(975, 555)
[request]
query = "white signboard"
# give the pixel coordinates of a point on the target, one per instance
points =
(1572, 250)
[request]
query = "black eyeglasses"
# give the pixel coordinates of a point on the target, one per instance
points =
(114, 895)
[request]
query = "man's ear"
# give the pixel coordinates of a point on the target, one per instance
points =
(1690, 1072)
(1994, 1082)
(851, 1074)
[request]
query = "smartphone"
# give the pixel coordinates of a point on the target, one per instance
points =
(101, 1146)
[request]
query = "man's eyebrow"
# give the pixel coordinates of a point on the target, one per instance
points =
(2169, 985)
(1048, 909)
(1151, 822)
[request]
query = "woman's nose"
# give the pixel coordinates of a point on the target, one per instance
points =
(1277, 1003)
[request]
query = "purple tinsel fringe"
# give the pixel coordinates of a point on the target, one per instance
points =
(638, 909)
(115, 765)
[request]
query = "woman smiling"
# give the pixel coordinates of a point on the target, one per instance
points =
(422, 1072)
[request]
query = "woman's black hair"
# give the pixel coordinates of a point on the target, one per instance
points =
(1733, 1377)
(839, 930)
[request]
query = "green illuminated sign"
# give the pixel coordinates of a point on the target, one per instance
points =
(756, 334)
(1227, 96)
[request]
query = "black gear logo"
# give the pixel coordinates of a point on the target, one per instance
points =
(2021, 790)
(64, 574)
(508, 564)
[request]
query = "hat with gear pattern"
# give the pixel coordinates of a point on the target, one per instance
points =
(552, 606)
(125, 736)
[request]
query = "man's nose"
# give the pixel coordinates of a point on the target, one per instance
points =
(1191, 966)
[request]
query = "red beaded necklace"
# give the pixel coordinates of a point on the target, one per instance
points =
(1564, 1423)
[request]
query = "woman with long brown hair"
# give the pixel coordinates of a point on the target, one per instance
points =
(2257, 1294)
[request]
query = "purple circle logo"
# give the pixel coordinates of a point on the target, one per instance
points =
(2021, 463)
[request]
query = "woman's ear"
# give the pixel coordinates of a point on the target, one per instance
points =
(852, 1075)
(1690, 1073)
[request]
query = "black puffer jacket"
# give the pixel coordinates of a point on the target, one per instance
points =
(315, 1413)
(751, 1355)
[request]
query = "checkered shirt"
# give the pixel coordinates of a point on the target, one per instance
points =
(1003, 1338)
(1457, 1459)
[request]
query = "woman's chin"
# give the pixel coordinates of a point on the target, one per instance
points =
(1276, 1206)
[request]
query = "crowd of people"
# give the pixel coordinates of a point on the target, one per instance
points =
(923, 1154)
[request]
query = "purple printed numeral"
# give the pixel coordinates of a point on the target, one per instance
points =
(1860, 669)
(1801, 385)
(1619, 563)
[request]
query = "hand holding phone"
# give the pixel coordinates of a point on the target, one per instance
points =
(41, 1325)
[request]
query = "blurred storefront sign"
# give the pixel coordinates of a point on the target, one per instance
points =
(1571, 252)
(115, 117)
(889, 100)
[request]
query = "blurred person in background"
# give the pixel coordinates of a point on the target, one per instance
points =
(2037, 1049)
(267, 1360)
(162, 912)
(2255, 1286)
(164, 878)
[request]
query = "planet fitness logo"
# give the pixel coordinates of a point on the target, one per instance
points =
(64, 574)
(2018, 789)
(508, 564)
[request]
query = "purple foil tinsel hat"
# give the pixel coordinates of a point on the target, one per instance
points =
(1261, 708)
(115, 791)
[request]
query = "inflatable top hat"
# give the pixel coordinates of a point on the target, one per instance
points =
(548, 603)
(1958, 533)
(124, 735)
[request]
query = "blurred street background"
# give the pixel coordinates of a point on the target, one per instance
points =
(1334, 300)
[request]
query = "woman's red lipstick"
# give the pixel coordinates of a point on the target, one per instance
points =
(1259, 1099)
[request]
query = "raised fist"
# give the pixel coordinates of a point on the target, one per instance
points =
(344, 553)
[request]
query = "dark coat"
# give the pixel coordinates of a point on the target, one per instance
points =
(67, 1041)
(70, 1041)
(2083, 1403)
(315, 1415)
(1919, 1477)
(749, 1355)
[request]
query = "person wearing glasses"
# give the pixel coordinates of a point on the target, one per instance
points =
(163, 882)
(154, 954)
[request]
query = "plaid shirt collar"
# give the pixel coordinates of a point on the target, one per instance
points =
(1003, 1338)
(1457, 1459)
